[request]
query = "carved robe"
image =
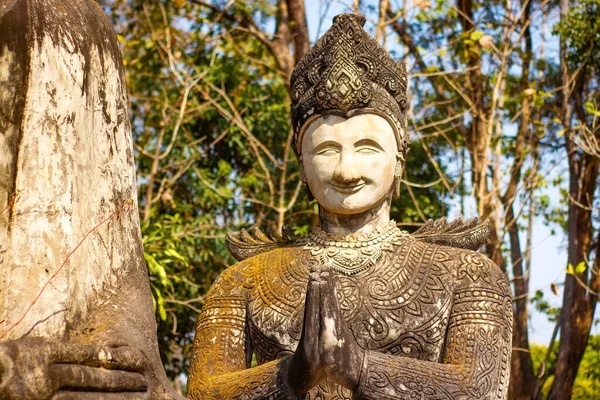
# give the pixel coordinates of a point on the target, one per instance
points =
(435, 322)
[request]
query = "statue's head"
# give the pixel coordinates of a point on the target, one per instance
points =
(349, 105)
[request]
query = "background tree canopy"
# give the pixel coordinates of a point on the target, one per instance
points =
(504, 120)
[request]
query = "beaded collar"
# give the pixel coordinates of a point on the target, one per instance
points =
(352, 254)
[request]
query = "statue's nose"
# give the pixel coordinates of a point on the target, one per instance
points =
(347, 169)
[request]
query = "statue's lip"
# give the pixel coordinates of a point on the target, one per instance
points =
(348, 188)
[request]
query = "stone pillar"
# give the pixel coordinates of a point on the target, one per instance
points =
(66, 152)
(67, 171)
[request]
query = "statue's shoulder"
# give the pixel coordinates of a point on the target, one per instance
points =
(458, 234)
(233, 280)
(457, 243)
(247, 244)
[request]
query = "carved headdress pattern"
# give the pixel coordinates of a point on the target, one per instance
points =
(347, 73)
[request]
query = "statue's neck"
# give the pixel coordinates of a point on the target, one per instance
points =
(358, 224)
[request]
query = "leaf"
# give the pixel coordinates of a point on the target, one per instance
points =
(576, 270)
(476, 35)
(173, 253)
(160, 302)
(591, 108)
(580, 268)
(157, 269)
(570, 269)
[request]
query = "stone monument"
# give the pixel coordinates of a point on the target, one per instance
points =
(76, 314)
(359, 308)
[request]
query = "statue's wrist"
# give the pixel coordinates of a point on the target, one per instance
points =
(286, 381)
(360, 387)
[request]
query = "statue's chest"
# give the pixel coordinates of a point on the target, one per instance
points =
(400, 306)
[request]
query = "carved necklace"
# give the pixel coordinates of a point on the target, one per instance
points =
(352, 254)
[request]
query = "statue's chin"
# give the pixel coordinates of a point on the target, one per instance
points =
(356, 203)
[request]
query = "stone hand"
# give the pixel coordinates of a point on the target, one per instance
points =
(38, 368)
(305, 369)
(339, 352)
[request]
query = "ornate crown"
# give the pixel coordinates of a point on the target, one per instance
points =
(348, 73)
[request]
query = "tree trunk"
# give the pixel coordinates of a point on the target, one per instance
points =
(578, 304)
(477, 139)
(384, 5)
(522, 377)
(299, 28)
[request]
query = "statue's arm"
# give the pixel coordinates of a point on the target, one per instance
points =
(478, 347)
(218, 368)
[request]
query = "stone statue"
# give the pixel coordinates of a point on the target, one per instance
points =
(76, 314)
(359, 308)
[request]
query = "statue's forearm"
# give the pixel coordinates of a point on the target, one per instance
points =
(386, 376)
(263, 382)
(477, 366)
(220, 369)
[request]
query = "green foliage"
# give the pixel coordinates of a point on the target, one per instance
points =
(581, 29)
(587, 382)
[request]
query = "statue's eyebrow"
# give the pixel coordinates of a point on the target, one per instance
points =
(326, 144)
(368, 142)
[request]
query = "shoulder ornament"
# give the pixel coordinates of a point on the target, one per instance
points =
(248, 243)
(459, 234)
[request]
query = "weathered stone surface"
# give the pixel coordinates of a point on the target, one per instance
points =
(66, 149)
(66, 158)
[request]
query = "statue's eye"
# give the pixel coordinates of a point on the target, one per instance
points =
(367, 150)
(328, 152)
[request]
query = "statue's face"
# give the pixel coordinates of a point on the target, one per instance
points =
(349, 163)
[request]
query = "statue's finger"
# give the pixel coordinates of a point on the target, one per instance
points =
(74, 395)
(124, 358)
(331, 317)
(85, 378)
(314, 268)
(311, 308)
(313, 277)
(326, 269)
(328, 286)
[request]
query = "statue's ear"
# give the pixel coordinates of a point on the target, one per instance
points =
(398, 171)
(396, 184)
(303, 179)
